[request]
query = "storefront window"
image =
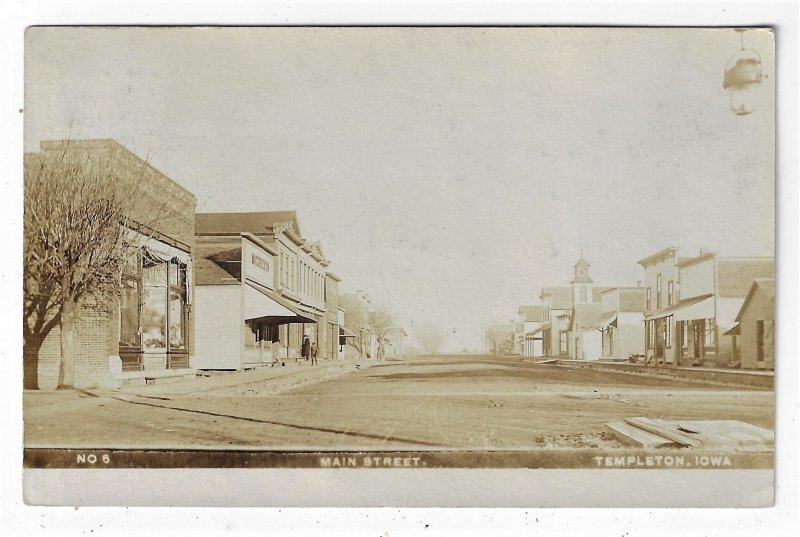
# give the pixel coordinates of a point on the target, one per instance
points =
(710, 333)
(176, 311)
(163, 299)
(668, 332)
(154, 317)
(174, 278)
(129, 314)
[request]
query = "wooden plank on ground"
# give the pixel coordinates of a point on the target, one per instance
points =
(666, 429)
(731, 433)
(636, 437)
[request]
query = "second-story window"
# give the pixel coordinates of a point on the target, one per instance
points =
(649, 304)
(670, 295)
(658, 291)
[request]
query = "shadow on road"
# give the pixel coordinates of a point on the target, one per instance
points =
(450, 374)
(282, 424)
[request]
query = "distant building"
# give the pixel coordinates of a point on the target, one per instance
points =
(584, 338)
(359, 333)
(330, 346)
(621, 322)
(500, 338)
(531, 318)
(556, 308)
(755, 327)
(394, 342)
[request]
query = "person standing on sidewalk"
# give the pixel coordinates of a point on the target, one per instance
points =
(305, 349)
(313, 354)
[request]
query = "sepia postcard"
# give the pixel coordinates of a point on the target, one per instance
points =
(400, 266)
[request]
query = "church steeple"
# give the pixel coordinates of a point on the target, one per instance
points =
(582, 282)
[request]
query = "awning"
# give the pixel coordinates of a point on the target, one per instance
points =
(735, 331)
(344, 332)
(164, 252)
(606, 319)
(691, 309)
(309, 309)
(264, 305)
(537, 331)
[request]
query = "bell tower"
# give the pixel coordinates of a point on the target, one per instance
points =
(582, 283)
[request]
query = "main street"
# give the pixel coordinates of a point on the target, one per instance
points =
(432, 403)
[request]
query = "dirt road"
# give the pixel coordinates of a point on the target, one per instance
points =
(458, 402)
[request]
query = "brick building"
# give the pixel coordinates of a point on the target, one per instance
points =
(146, 330)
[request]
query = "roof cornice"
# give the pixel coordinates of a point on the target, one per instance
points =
(661, 254)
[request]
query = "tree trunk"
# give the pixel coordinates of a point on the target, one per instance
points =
(66, 368)
(30, 362)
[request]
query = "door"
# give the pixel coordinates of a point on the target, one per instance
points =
(658, 351)
(698, 337)
(759, 341)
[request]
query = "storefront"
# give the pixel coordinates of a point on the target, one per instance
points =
(242, 322)
(144, 329)
(154, 308)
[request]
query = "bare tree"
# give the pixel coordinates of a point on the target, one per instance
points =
(78, 229)
(500, 338)
(430, 336)
(353, 321)
(381, 323)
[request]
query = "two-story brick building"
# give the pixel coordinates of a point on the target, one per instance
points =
(146, 330)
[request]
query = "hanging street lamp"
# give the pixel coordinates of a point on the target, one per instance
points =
(743, 77)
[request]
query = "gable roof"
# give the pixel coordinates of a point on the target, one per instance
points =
(253, 222)
(736, 274)
(584, 316)
(560, 297)
(531, 314)
(597, 291)
(217, 265)
(766, 286)
(396, 331)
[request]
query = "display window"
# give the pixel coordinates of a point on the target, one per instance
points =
(153, 310)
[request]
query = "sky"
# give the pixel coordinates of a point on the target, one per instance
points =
(450, 173)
